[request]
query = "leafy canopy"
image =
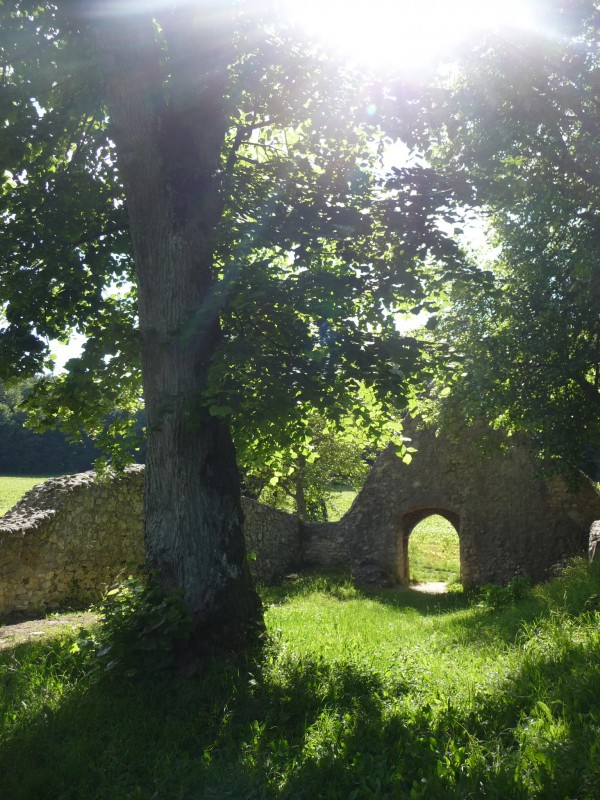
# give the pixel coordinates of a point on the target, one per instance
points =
(315, 251)
(520, 122)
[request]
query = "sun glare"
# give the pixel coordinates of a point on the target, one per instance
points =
(403, 33)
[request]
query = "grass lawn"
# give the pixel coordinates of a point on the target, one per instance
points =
(339, 501)
(12, 489)
(354, 695)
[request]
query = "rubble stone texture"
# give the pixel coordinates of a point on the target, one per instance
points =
(509, 519)
(71, 537)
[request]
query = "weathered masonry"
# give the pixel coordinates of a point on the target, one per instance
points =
(70, 537)
(509, 519)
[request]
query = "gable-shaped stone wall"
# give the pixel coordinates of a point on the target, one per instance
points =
(509, 519)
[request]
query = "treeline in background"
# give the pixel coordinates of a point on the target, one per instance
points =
(26, 452)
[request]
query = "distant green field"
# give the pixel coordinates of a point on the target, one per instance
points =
(433, 551)
(339, 501)
(13, 489)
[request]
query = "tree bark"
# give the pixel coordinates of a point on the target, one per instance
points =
(165, 89)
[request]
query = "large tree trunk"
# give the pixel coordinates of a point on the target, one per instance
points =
(165, 94)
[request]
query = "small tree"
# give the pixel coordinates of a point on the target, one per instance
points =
(300, 477)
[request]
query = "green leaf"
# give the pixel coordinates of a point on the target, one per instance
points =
(220, 411)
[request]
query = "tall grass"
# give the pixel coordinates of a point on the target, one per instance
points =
(354, 695)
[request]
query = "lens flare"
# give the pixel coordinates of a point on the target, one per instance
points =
(405, 33)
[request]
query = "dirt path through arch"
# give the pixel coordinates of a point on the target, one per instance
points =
(432, 587)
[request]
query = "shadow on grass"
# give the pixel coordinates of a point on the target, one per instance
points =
(339, 584)
(244, 730)
(577, 588)
(479, 621)
(278, 726)
(305, 730)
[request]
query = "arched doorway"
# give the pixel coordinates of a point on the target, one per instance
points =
(435, 549)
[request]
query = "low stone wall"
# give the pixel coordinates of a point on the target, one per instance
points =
(324, 544)
(67, 539)
(272, 541)
(70, 537)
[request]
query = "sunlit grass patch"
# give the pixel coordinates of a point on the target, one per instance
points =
(433, 551)
(354, 694)
(13, 489)
(339, 500)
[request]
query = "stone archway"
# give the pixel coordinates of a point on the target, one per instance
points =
(408, 523)
(509, 518)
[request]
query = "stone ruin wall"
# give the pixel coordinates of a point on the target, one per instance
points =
(71, 537)
(510, 520)
(67, 539)
(594, 550)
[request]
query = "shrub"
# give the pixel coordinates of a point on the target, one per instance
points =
(139, 633)
(495, 596)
